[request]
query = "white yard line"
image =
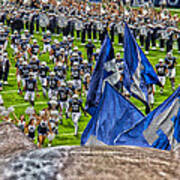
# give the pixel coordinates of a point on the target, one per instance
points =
(68, 134)
(9, 92)
(26, 104)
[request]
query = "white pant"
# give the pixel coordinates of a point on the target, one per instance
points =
(5, 45)
(151, 98)
(51, 93)
(29, 94)
(172, 73)
(47, 47)
(51, 136)
(43, 81)
(25, 54)
(64, 105)
(35, 75)
(15, 48)
(162, 79)
(76, 116)
(23, 82)
(19, 78)
(77, 83)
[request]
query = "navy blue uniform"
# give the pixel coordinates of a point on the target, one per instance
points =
(86, 68)
(75, 73)
(34, 65)
(53, 82)
(75, 104)
(170, 62)
(63, 93)
(76, 59)
(60, 72)
(161, 69)
(24, 71)
(30, 84)
(24, 45)
(34, 49)
(43, 70)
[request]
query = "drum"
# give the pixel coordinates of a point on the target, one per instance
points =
(61, 21)
(43, 20)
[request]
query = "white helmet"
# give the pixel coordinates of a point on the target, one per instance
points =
(43, 63)
(75, 63)
(87, 75)
(170, 54)
(63, 84)
(64, 38)
(34, 57)
(48, 32)
(75, 48)
(62, 50)
(41, 113)
(161, 60)
(60, 64)
(56, 41)
(5, 54)
(52, 73)
(70, 82)
(97, 50)
(54, 98)
(53, 102)
(31, 74)
(23, 37)
(75, 96)
(21, 59)
(24, 63)
(34, 41)
(75, 54)
(54, 113)
(85, 62)
(117, 55)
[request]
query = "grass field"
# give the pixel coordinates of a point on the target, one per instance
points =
(66, 131)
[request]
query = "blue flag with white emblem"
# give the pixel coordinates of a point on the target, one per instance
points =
(114, 115)
(105, 70)
(160, 129)
(138, 72)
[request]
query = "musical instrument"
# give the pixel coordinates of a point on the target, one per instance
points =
(61, 21)
(43, 20)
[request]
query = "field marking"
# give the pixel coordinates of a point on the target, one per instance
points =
(26, 104)
(68, 134)
(9, 91)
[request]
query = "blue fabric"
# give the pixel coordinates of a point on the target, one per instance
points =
(97, 1)
(114, 115)
(134, 61)
(135, 135)
(99, 74)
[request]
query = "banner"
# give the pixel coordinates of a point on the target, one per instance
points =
(170, 3)
(95, 1)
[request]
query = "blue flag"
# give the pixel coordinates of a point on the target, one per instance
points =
(105, 70)
(114, 115)
(138, 72)
(160, 129)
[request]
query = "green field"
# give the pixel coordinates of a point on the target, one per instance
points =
(66, 131)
